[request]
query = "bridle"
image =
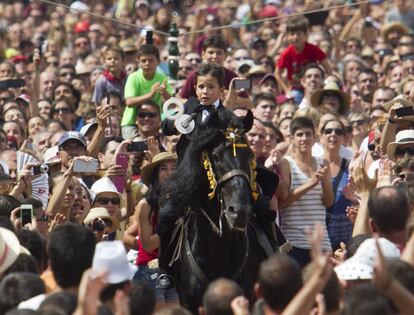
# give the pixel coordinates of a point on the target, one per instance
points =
(233, 137)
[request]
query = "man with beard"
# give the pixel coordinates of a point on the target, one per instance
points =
(82, 48)
(311, 81)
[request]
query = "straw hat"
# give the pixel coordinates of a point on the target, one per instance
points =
(148, 170)
(391, 26)
(402, 137)
(101, 213)
(344, 98)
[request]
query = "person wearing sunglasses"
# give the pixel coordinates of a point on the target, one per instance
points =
(402, 147)
(339, 227)
(148, 120)
(107, 196)
(360, 128)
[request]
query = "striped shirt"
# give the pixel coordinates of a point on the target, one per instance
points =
(302, 214)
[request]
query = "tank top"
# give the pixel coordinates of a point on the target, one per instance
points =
(145, 257)
(302, 214)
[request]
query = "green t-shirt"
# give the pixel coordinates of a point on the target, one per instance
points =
(137, 85)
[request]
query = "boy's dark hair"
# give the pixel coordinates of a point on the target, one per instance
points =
(366, 70)
(280, 279)
(112, 94)
(8, 204)
(32, 201)
(263, 97)
(215, 41)
(151, 103)
(108, 293)
(365, 299)
(214, 70)
(298, 23)
(74, 91)
(16, 311)
(353, 244)
(24, 263)
(114, 48)
(68, 66)
(71, 247)
(62, 303)
(141, 299)
(403, 272)
(279, 135)
(148, 49)
(18, 287)
(301, 122)
(218, 296)
(105, 142)
(389, 209)
(312, 65)
(34, 244)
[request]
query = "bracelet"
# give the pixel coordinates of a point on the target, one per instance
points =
(392, 121)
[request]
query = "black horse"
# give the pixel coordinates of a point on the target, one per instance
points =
(213, 189)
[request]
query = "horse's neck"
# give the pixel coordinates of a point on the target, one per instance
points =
(208, 246)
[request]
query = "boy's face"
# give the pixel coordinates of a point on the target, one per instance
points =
(297, 38)
(113, 62)
(213, 54)
(208, 89)
(148, 64)
(303, 139)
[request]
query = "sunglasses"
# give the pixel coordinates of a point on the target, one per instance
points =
(62, 110)
(358, 122)
(149, 115)
(400, 151)
(337, 131)
(198, 60)
(105, 201)
(42, 218)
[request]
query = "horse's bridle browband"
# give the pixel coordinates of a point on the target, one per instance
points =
(233, 173)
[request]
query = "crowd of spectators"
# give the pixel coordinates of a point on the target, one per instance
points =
(85, 148)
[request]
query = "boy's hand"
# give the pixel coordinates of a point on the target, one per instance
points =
(155, 88)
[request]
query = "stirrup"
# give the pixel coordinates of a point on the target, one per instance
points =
(164, 281)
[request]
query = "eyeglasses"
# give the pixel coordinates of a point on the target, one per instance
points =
(64, 110)
(105, 201)
(144, 115)
(66, 74)
(337, 131)
(401, 151)
(358, 122)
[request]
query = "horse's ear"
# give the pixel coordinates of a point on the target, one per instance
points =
(248, 121)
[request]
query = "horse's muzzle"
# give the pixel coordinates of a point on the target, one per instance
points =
(238, 217)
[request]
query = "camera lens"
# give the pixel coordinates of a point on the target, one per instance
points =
(44, 168)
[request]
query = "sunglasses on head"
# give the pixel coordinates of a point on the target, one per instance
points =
(105, 201)
(401, 151)
(358, 122)
(149, 115)
(337, 131)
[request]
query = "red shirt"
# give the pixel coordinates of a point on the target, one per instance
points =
(144, 257)
(294, 62)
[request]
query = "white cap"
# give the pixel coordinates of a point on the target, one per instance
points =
(111, 257)
(104, 185)
(51, 155)
(361, 265)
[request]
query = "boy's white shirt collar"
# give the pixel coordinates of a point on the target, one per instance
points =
(216, 105)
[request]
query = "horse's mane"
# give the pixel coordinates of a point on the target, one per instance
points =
(182, 190)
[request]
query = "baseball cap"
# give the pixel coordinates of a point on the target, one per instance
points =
(84, 130)
(72, 135)
(51, 155)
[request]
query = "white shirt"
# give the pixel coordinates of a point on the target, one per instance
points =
(206, 113)
(344, 152)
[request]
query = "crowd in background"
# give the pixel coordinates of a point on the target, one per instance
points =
(84, 151)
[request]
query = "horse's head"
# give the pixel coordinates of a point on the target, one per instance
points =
(230, 168)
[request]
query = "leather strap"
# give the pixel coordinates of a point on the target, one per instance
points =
(233, 173)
